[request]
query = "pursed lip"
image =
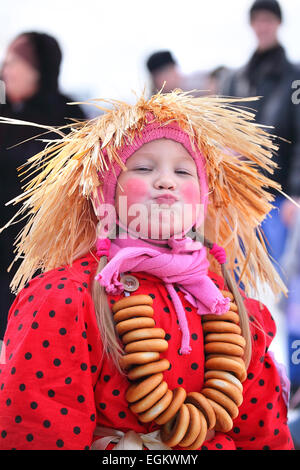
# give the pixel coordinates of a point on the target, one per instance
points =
(166, 199)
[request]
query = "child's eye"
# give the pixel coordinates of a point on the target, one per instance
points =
(142, 168)
(182, 172)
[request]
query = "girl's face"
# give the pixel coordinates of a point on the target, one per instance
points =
(159, 194)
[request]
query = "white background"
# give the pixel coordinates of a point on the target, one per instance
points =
(105, 42)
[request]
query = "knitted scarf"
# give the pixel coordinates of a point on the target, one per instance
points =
(183, 262)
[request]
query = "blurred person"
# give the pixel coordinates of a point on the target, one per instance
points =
(215, 79)
(269, 75)
(165, 73)
(30, 74)
(291, 304)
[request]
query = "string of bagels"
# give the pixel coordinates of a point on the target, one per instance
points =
(185, 417)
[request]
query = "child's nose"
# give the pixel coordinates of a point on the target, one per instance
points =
(165, 182)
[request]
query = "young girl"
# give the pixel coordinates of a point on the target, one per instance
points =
(132, 335)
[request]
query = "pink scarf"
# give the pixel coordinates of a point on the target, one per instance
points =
(184, 263)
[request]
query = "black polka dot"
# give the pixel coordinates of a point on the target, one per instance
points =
(167, 337)
(116, 392)
(52, 313)
(194, 366)
(28, 356)
(16, 313)
(266, 448)
(152, 295)
(188, 309)
(48, 286)
(166, 309)
(72, 349)
(219, 446)
(62, 331)
(46, 343)
(60, 286)
(83, 366)
(106, 378)
(13, 370)
(86, 271)
(34, 325)
(84, 335)
(261, 382)
(57, 362)
(30, 298)
(102, 406)
(180, 380)
(39, 374)
(80, 398)
(269, 406)
(8, 402)
(18, 419)
(29, 437)
(261, 423)
(250, 376)
(194, 336)
(236, 430)
(76, 430)
(253, 400)
(33, 405)
(68, 380)
(93, 417)
(46, 423)
(85, 263)
(60, 443)
(244, 417)
(64, 411)
(276, 432)
(122, 414)
(93, 369)
(68, 301)
(3, 434)
(22, 387)
(51, 393)
(277, 388)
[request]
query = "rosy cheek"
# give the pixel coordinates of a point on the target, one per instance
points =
(190, 193)
(135, 190)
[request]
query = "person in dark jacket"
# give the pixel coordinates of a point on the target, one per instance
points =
(270, 75)
(30, 73)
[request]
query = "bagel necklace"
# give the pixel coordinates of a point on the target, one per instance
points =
(184, 417)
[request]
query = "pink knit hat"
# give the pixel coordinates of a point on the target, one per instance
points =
(154, 131)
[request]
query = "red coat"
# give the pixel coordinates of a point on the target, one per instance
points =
(56, 385)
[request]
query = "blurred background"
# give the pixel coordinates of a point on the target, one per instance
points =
(78, 51)
(105, 44)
